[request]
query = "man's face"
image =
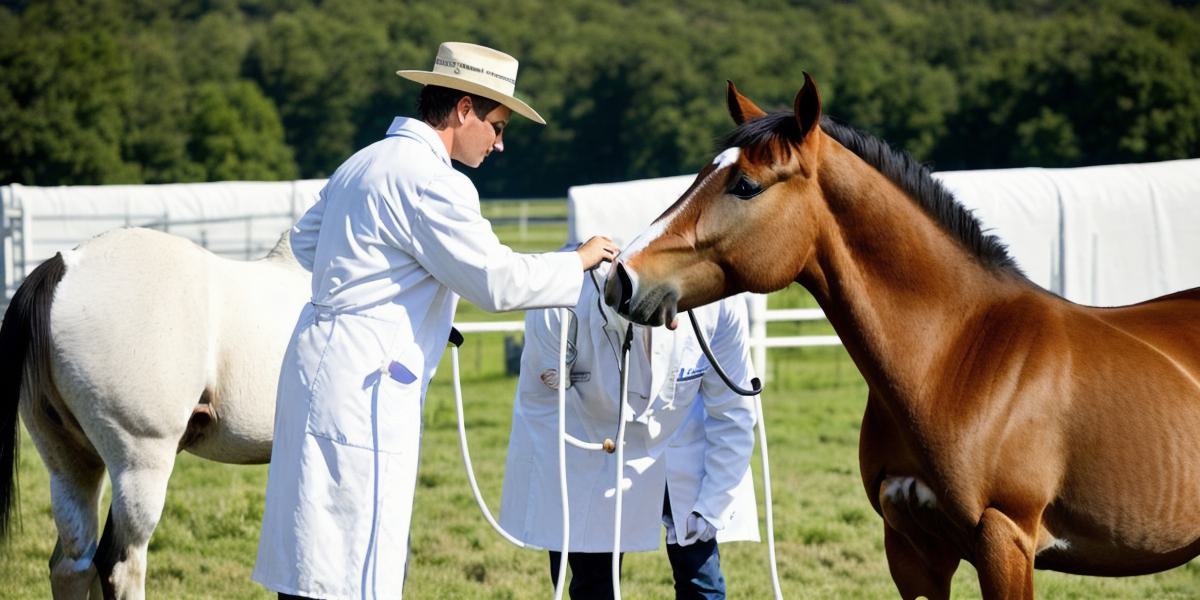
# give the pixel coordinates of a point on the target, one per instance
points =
(477, 138)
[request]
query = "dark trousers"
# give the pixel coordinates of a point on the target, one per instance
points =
(591, 574)
(696, 569)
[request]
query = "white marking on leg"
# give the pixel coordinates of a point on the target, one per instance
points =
(1049, 542)
(925, 496)
(908, 489)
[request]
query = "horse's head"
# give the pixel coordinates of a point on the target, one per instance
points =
(724, 234)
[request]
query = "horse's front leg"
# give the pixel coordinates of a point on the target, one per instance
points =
(918, 573)
(1004, 558)
(921, 561)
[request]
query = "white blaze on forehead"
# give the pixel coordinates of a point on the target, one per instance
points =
(645, 237)
(728, 157)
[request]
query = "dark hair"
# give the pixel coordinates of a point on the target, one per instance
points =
(437, 102)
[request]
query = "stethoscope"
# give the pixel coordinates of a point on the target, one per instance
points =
(610, 446)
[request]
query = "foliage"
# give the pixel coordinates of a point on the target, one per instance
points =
(102, 91)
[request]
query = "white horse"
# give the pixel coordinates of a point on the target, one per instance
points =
(122, 352)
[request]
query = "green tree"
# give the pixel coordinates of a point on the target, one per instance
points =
(65, 88)
(236, 134)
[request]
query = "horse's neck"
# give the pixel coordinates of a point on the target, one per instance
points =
(894, 284)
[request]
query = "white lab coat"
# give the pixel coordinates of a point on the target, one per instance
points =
(686, 430)
(393, 239)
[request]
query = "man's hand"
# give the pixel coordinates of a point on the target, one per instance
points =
(597, 250)
(698, 530)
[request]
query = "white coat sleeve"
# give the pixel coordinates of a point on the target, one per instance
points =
(306, 232)
(453, 241)
(728, 416)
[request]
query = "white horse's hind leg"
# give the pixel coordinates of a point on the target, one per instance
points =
(138, 494)
(75, 499)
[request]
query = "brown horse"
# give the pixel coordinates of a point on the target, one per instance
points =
(1004, 425)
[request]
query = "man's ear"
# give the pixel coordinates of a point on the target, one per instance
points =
(463, 108)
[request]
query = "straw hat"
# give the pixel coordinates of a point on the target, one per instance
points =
(476, 70)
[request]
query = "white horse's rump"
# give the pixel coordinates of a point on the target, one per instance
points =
(152, 345)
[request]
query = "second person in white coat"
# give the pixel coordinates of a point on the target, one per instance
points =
(688, 443)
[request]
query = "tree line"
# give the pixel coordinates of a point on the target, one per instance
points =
(151, 91)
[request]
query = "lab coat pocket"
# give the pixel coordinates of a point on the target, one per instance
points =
(369, 397)
(684, 403)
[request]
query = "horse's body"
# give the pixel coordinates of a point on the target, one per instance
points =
(148, 345)
(1004, 425)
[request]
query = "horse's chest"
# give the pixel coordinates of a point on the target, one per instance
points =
(907, 464)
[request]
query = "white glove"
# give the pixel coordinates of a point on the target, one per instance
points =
(698, 529)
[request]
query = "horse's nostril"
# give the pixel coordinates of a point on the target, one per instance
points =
(624, 289)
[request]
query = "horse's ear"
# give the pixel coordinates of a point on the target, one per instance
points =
(740, 107)
(808, 106)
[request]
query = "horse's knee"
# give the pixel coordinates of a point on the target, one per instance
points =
(1003, 557)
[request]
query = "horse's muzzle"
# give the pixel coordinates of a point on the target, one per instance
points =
(619, 288)
(654, 307)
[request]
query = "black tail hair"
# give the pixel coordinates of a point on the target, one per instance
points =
(24, 336)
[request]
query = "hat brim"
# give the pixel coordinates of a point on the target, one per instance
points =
(465, 85)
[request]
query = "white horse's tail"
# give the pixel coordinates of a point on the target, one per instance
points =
(24, 341)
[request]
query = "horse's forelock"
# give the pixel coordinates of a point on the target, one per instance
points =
(770, 138)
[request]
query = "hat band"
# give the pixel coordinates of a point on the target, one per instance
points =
(459, 66)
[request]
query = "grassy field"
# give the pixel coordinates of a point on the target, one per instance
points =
(829, 539)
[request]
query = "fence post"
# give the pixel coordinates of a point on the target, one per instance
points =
(6, 238)
(26, 239)
(249, 234)
(757, 303)
(523, 220)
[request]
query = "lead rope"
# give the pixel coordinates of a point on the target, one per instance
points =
(756, 390)
(456, 340)
(766, 474)
(618, 491)
(563, 378)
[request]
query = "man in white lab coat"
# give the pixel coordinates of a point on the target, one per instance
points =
(395, 236)
(688, 441)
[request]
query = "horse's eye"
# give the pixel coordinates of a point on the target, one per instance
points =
(745, 188)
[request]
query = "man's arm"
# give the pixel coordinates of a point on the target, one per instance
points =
(305, 233)
(729, 417)
(452, 240)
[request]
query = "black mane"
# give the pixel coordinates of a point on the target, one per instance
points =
(774, 130)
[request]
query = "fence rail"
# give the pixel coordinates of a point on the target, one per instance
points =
(759, 341)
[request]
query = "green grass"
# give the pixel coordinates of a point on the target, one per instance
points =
(829, 539)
